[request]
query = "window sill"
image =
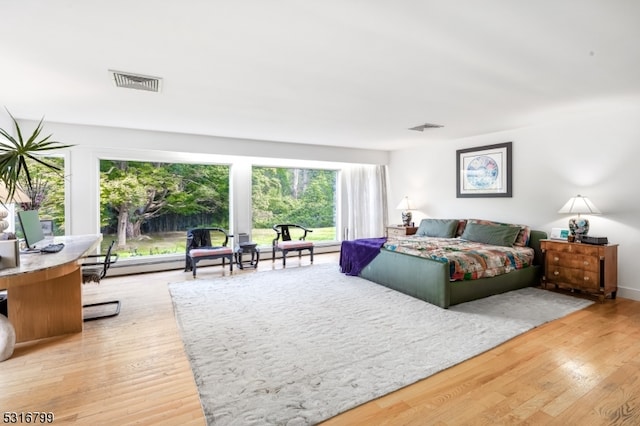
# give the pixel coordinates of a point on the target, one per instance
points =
(166, 262)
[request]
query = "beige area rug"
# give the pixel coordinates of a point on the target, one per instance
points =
(298, 346)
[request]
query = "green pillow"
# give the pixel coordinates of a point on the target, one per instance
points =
(491, 234)
(443, 228)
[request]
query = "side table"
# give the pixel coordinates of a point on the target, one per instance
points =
(247, 248)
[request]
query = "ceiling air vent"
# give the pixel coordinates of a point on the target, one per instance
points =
(424, 126)
(136, 81)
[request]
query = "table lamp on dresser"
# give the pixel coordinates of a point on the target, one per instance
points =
(405, 206)
(579, 226)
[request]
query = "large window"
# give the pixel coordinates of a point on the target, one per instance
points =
(289, 195)
(147, 206)
(46, 194)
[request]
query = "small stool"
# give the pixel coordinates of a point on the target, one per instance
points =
(247, 248)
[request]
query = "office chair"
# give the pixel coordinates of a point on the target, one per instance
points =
(95, 270)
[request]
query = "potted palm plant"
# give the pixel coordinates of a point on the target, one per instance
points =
(15, 153)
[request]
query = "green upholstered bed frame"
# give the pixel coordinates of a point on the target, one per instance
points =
(428, 279)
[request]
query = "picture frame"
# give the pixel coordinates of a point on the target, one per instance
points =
(47, 227)
(559, 234)
(484, 171)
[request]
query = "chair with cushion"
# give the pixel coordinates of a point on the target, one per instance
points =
(200, 246)
(283, 242)
(94, 270)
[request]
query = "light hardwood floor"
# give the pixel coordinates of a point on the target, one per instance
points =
(580, 370)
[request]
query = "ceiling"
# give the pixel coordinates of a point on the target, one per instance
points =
(355, 73)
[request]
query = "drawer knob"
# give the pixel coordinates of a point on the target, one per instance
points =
(586, 278)
(555, 259)
(586, 262)
(556, 273)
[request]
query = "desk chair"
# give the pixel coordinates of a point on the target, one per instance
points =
(95, 270)
(283, 242)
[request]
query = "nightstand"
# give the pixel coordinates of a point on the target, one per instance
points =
(592, 269)
(400, 231)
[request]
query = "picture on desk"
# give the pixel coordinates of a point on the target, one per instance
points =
(47, 227)
(559, 234)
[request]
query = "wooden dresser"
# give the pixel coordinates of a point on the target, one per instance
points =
(592, 269)
(400, 231)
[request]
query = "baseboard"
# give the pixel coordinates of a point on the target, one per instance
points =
(629, 293)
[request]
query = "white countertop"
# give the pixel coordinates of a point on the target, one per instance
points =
(75, 248)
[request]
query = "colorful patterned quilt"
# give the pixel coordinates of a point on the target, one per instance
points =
(467, 260)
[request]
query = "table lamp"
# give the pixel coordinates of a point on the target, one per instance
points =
(405, 206)
(579, 226)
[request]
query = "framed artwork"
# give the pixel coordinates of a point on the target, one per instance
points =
(484, 171)
(47, 227)
(559, 234)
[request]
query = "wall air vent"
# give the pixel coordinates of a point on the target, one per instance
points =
(128, 80)
(424, 126)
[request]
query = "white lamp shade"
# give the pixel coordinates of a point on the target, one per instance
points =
(579, 204)
(404, 204)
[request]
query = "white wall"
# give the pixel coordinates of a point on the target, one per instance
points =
(91, 143)
(6, 123)
(592, 153)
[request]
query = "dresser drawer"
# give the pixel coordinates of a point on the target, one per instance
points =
(396, 232)
(574, 261)
(578, 278)
(401, 231)
(584, 249)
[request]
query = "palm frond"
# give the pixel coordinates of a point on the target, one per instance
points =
(14, 151)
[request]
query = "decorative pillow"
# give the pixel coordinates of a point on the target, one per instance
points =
(443, 228)
(523, 237)
(491, 234)
(461, 224)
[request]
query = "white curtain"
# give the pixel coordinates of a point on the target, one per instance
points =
(366, 190)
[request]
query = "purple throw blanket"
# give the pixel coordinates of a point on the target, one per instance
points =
(356, 254)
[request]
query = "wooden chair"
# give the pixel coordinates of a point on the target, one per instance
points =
(95, 270)
(199, 247)
(283, 242)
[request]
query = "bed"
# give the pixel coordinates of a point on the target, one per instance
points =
(434, 279)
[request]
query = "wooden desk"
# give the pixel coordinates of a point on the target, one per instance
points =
(44, 293)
